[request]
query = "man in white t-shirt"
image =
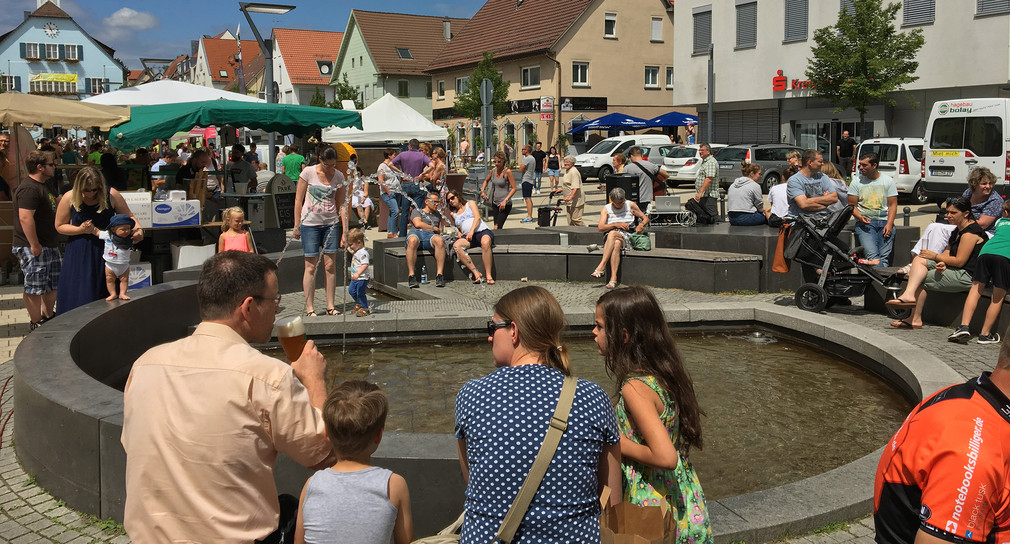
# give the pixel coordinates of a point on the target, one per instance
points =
(874, 198)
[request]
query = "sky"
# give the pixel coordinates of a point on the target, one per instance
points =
(163, 29)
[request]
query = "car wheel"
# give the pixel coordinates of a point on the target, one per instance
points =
(919, 195)
(811, 297)
(603, 172)
(771, 180)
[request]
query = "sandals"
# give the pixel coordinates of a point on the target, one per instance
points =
(898, 303)
(478, 278)
(904, 270)
(611, 284)
(332, 311)
(311, 314)
(490, 281)
(904, 325)
(598, 273)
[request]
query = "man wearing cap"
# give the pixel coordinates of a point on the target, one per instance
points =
(35, 237)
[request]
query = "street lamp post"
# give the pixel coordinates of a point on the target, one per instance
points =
(267, 47)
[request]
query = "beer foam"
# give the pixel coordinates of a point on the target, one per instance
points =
(290, 326)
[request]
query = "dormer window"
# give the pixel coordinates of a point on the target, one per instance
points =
(404, 53)
(223, 73)
(325, 67)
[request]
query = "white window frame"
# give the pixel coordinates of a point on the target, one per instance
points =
(461, 84)
(669, 77)
(657, 30)
(611, 20)
(222, 73)
(54, 87)
(28, 50)
(368, 92)
(70, 52)
(580, 70)
(52, 51)
(653, 81)
(526, 77)
(441, 89)
(97, 85)
(6, 83)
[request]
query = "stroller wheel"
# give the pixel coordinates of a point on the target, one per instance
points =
(899, 313)
(811, 297)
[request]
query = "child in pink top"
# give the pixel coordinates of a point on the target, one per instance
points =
(234, 237)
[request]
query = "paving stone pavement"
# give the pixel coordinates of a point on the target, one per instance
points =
(30, 515)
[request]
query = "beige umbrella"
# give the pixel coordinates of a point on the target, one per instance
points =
(30, 109)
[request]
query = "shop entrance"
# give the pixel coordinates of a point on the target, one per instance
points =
(824, 136)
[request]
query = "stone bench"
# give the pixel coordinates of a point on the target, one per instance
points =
(944, 309)
(696, 270)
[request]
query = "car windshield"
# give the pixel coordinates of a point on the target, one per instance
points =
(682, 153)
(731, 154)
(604, 147)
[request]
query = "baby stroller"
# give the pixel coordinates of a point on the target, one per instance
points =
(815, 245)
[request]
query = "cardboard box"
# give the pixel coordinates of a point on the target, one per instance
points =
(140, 275)
(140, 204)
(175, 214)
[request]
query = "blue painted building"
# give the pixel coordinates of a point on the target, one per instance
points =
(50, 54)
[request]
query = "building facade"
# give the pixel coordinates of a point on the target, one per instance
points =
(303, 64)
(49, 54)
(568, 62)
(760, 55)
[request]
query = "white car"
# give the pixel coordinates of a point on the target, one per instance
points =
(682, 163)
(900, 158)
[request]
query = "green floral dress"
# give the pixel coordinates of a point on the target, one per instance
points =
(647, 486)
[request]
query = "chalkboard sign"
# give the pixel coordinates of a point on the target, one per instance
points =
(285, 203)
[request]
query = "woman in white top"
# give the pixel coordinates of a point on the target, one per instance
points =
(472, 231)
(616, 220)
(390, 192)
(321, 222)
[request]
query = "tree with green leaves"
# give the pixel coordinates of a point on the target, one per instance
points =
(862, 58)
(318, 99)
(344, 91)
(468, 102)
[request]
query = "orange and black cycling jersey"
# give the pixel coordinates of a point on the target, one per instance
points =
(946, 470)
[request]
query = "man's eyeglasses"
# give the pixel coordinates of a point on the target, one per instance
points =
(276, 299)
(495, 325)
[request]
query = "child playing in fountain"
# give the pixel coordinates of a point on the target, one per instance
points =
(234, 237)
(657, 412)
(359, 271)
(118, 248)
(353, 501)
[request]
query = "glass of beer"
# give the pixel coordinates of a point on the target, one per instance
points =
(291, 334)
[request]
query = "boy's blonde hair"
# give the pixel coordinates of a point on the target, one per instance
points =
(354, 414)
(227, 214)
(355, 236)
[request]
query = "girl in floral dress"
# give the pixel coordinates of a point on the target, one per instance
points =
(657, 412)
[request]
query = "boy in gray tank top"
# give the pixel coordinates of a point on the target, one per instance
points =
(353, 501)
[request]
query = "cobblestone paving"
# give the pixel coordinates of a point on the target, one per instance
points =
(30, 515)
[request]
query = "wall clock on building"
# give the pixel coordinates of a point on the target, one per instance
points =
(51, 29)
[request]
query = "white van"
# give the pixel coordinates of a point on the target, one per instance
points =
(597, 162)
(962, 135)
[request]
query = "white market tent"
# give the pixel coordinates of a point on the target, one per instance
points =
(165, 91)
(387, 119)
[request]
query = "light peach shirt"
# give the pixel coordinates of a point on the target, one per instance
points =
(204, 419)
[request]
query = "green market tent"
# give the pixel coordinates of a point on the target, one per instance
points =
(149, 123)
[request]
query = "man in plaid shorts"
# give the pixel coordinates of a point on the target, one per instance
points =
(35, 237)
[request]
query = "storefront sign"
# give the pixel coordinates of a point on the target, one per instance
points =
(546, 103)
(64, 78)
(547, 116)
(782, 83)
(583, 103)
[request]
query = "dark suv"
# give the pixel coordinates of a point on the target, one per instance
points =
(770, 157)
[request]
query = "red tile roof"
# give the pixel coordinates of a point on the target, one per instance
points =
(510, 30)
(221, 56)
(135, 75)
(173, 67)
(383, 33)
(302, 48)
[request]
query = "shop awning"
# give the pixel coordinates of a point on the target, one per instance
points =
(149, 123)
(32, 109)
(613, 121)
(673, 119)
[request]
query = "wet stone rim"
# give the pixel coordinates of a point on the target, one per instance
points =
(69, 423)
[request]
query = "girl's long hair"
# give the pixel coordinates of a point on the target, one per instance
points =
(639, 342)
(540, 321)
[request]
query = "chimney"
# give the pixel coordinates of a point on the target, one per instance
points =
(446, 31)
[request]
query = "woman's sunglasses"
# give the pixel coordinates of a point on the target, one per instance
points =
(495, 325)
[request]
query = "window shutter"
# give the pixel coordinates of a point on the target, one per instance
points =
(796, 20)
(80, 52)
(62, 51)
(87, 85)
(848, 6)
(702, 31)
(988, 7)
(24, 49)
(917, 12)
(746, 24)
(17, 83)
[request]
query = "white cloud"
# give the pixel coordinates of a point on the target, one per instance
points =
(131, 19)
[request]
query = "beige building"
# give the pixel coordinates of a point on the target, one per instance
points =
(568, 61)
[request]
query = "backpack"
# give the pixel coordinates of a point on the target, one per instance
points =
(701, 214)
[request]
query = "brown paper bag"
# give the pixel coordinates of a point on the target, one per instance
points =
(781, 264)
(627, 523)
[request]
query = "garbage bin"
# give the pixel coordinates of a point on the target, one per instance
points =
(628, 182)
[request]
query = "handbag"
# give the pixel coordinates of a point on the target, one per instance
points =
(557, 426)
(780, 264)
(640, 242)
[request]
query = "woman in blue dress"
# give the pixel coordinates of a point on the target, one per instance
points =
(81, 214)
(501, 421)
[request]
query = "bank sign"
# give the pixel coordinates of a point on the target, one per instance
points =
(782, 83)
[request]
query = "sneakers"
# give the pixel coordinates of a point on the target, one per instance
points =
(991, 338)
(439, 281)
(412, 282)
(960, 334)
(527, 220)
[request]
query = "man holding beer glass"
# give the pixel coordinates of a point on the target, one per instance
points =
(206, 416)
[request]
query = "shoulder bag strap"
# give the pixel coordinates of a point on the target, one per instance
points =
(558, 425)
(647, 172)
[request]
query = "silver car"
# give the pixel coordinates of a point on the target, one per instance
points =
(682, 163)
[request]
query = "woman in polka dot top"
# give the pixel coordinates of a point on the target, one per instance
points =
(657, 413)
(501, 421)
